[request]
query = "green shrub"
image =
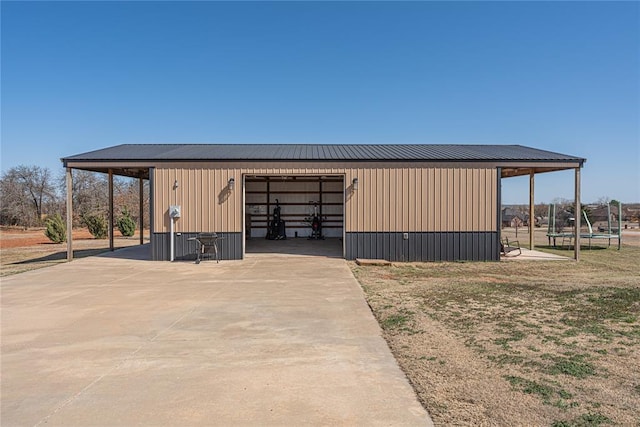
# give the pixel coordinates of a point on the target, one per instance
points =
(56, 229)
(126, 224)
(96, 224)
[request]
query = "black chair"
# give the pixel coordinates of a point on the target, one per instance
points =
(207, 246)
(507, 246)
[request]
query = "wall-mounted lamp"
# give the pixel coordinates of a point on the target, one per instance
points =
(175, 184)
(232, 183)
(355, 183)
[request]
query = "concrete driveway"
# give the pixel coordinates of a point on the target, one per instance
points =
(271, 340)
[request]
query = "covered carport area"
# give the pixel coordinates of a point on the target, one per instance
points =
(135, 172)
(531, 171)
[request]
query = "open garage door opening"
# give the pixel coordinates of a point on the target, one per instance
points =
(294, 215)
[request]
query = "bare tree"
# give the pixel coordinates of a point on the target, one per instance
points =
(25, 193)
(562, 201)
(89, 192)
(541, 210)
(91, 195)
(127, 196)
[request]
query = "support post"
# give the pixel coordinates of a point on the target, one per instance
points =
(111, 246)
(619, 225)
(141, 212)
(578, 216)
(499, 213)
(531, 211)
(69, 179)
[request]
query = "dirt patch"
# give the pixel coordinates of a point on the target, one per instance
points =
(518, 343)
(631, 237)
(20, 238)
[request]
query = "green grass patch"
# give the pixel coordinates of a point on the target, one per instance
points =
(573, 368)
(594, 305)
(400, 321)
(513, 336)
(530, 387)
(395, 321)
(504, 359)
(584, 420)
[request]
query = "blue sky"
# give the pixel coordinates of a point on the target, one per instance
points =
(560, 76)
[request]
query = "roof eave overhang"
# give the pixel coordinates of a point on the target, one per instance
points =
(69, 162)
(140, 167)
(512, 169)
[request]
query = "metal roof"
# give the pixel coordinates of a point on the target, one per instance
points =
(321, 152)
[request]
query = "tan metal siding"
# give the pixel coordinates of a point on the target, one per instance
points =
(390, 198)
(418, 199)
(207, 205)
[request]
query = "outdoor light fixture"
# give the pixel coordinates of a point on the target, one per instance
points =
(355, 183)
(175, 184)
(232, 183)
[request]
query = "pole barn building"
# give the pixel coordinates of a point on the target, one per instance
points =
(393, 202)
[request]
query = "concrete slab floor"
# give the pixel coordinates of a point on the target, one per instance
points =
(533, 255)
(271, 340)
(329, 247)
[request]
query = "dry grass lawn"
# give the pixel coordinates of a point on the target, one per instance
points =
(517, 343)
(24, 250)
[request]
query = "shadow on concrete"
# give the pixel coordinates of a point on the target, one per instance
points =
(138, 253)
(570, 247)
(62, 255)
(330, 248)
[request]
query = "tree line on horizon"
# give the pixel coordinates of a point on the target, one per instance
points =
(29, 195)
